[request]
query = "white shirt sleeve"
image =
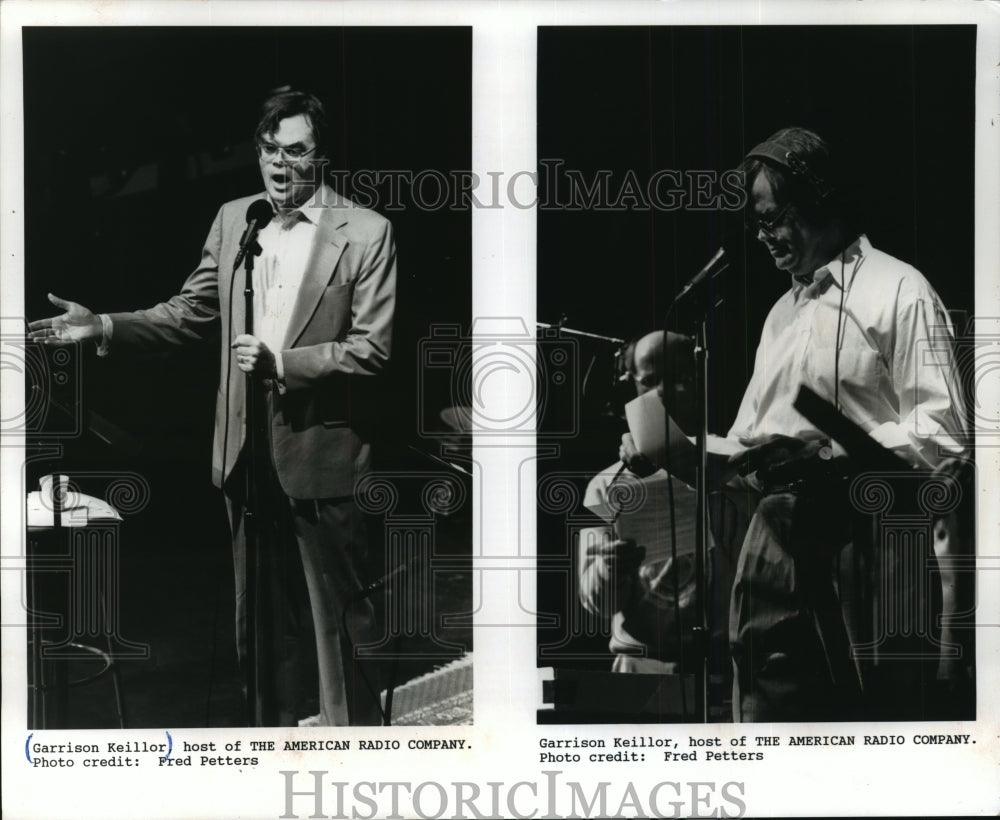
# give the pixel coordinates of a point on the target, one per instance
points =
(931, 407)
(107, 329)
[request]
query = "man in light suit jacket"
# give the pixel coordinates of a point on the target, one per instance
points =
(324, 297)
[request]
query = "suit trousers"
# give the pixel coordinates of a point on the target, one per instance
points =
(315, 550)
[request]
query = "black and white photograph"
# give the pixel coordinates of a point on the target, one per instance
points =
(729, 215)
(451, 409)
(237, 513)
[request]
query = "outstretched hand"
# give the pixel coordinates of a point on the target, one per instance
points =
(77, 324)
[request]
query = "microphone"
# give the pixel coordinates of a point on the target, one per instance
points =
(259, 214)
(716, 266)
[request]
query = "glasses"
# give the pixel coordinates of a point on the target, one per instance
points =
(755, 224)
(292, 153)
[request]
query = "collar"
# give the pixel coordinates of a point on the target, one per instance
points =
(312, 209)
(833, 272)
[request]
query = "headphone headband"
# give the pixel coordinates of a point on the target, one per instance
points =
(778, 153)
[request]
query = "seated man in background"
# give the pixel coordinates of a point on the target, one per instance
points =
(650, 601)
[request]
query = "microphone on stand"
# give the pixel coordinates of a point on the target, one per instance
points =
(697, 309)
(259, 214)
(716, 266)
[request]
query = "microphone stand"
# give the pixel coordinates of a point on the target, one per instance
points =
(699, 631)
(251, 532)
(701, 524)
(704, 300)
(620, 344)
(581, 333)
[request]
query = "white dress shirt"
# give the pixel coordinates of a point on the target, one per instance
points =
(870, 335)
(286, 243)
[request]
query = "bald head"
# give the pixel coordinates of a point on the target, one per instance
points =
(647, 362)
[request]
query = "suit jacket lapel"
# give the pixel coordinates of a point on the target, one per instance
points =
(327, 248)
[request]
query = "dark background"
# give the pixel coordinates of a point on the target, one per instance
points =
(895, 102)
(133, 139)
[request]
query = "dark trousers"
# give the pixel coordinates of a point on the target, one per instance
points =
(312, 550)
(790, 646)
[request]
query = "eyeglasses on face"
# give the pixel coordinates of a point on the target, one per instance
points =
(769, 224)
(293, 153)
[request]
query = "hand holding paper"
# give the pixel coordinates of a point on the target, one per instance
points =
(649, 423)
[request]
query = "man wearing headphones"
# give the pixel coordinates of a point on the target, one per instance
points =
(856, 327)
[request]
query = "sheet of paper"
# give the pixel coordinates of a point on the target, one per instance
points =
(645, 516)
(649, 424)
